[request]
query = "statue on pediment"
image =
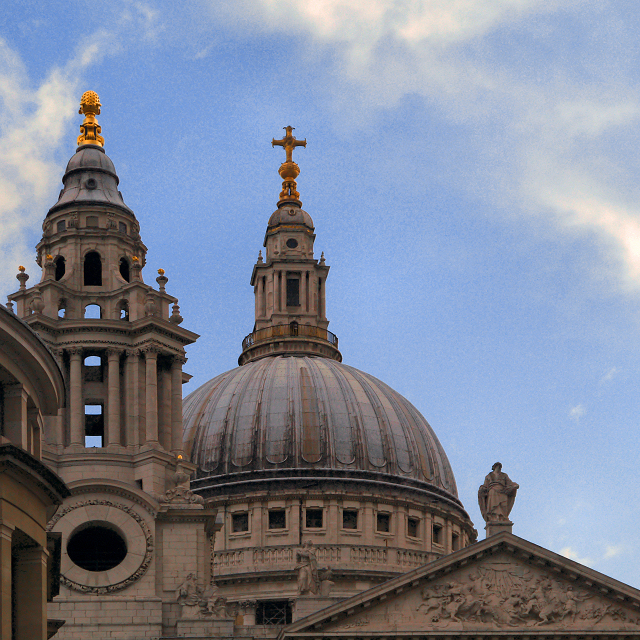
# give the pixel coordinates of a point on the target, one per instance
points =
(307, 568)
(497, 495)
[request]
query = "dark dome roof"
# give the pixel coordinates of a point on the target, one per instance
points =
(311, 414)
(90, 178)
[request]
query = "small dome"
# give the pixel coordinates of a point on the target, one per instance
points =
(313, 415)
(90, 178)
(290, 214)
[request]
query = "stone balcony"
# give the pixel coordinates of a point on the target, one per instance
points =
(342, 559)
(290, 339)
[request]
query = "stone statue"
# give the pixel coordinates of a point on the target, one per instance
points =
(189, 596)
(307, 568)
(497, 495)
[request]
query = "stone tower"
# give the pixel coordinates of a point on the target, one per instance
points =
(118, 442)
(289, 285)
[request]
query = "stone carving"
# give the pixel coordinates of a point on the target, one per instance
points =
(198, 605)
(307, 568)
(180, 492)
(326, 584)
(497, 495)
(503, 596)
(136, 575)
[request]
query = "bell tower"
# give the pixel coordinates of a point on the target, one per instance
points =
(289, 283)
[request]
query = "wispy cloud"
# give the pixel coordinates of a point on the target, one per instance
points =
(577, 412)
(572, 554)
(609, 375)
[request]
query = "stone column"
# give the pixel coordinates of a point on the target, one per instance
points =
(30, 606)
(132, 390)
(16, 425)
(76, 412)
(270, 294)
(164, 408)
(5, 580)
(303, 292)
(151, 387)
(113, 423)
(176, 404)
(260, 300)
(283, 291)
(321, 301)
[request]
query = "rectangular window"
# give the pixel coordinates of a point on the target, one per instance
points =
(122, 227)
(314, 519)
(273, 612)
(413, 527)
(239, 522)
(349, 519)
(62, 225)
(293, 292)
(455, 541)
(277, 519)
(437, 534)
(383, 523)
(93, 425)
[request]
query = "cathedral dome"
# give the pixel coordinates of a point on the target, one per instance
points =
(288, 214)
(306, 416)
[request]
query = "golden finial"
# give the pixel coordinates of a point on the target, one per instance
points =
(21, 269)
(135, 258)
(90, 129)
(161, 272)
(49, 256)
(289, 170)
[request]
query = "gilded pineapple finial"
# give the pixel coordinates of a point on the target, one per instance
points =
(90, 129)
(289, 170)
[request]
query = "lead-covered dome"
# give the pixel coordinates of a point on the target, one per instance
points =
(314, 415)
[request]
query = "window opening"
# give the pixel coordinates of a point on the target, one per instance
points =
(61, 226)
(277, 519)
(93, 425)
(314, 519)
(437, 534)
(413, 527)
(293, 328)
(92, 269)
(383, 522)
(97, 547)
(93, 369)
(349, 519)
(122, 227)
(239, 522)
(62, 308)
(123, 309)
(93, 311)
(455, 541)
(124, 269)
(293, 292)
(92, 221)
(61, 267)
(292, 243)
(273, 612)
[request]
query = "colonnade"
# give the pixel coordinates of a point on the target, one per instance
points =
(159, 413)
(275, 283)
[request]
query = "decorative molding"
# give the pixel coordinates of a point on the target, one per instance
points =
(136, 575)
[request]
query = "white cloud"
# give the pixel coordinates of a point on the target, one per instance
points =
(577, 412)
(611, 551)
(569, 552)
(609, 376)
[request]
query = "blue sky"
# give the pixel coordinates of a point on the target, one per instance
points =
(472, 171)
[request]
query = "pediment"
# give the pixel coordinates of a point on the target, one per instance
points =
(503, 584)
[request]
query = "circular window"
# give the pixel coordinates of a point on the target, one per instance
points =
(97, 547)
(291, 243)
(91, 183)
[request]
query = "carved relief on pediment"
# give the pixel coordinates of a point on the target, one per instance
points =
(496, 594)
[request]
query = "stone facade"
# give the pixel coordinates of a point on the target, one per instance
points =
(301, 498)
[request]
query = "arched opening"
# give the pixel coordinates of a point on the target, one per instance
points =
(61, 267)
(93, 369)
(123, 309)
(124, 269)
(93, 311)
(293, 328)
(93, 425)
(92, 269)
(97, 546)
(62, 307)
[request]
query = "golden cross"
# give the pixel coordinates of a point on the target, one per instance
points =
(289, 143)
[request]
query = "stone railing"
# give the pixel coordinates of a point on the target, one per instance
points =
(257, 559)
(292, 330)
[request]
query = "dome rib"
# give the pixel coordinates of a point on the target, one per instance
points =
(312, 415)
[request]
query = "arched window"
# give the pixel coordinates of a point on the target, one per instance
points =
(293, 328)
(61, 267)
(93, 311)
(62, 308)
(123, 309)
(92, 269)
(124, 269)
